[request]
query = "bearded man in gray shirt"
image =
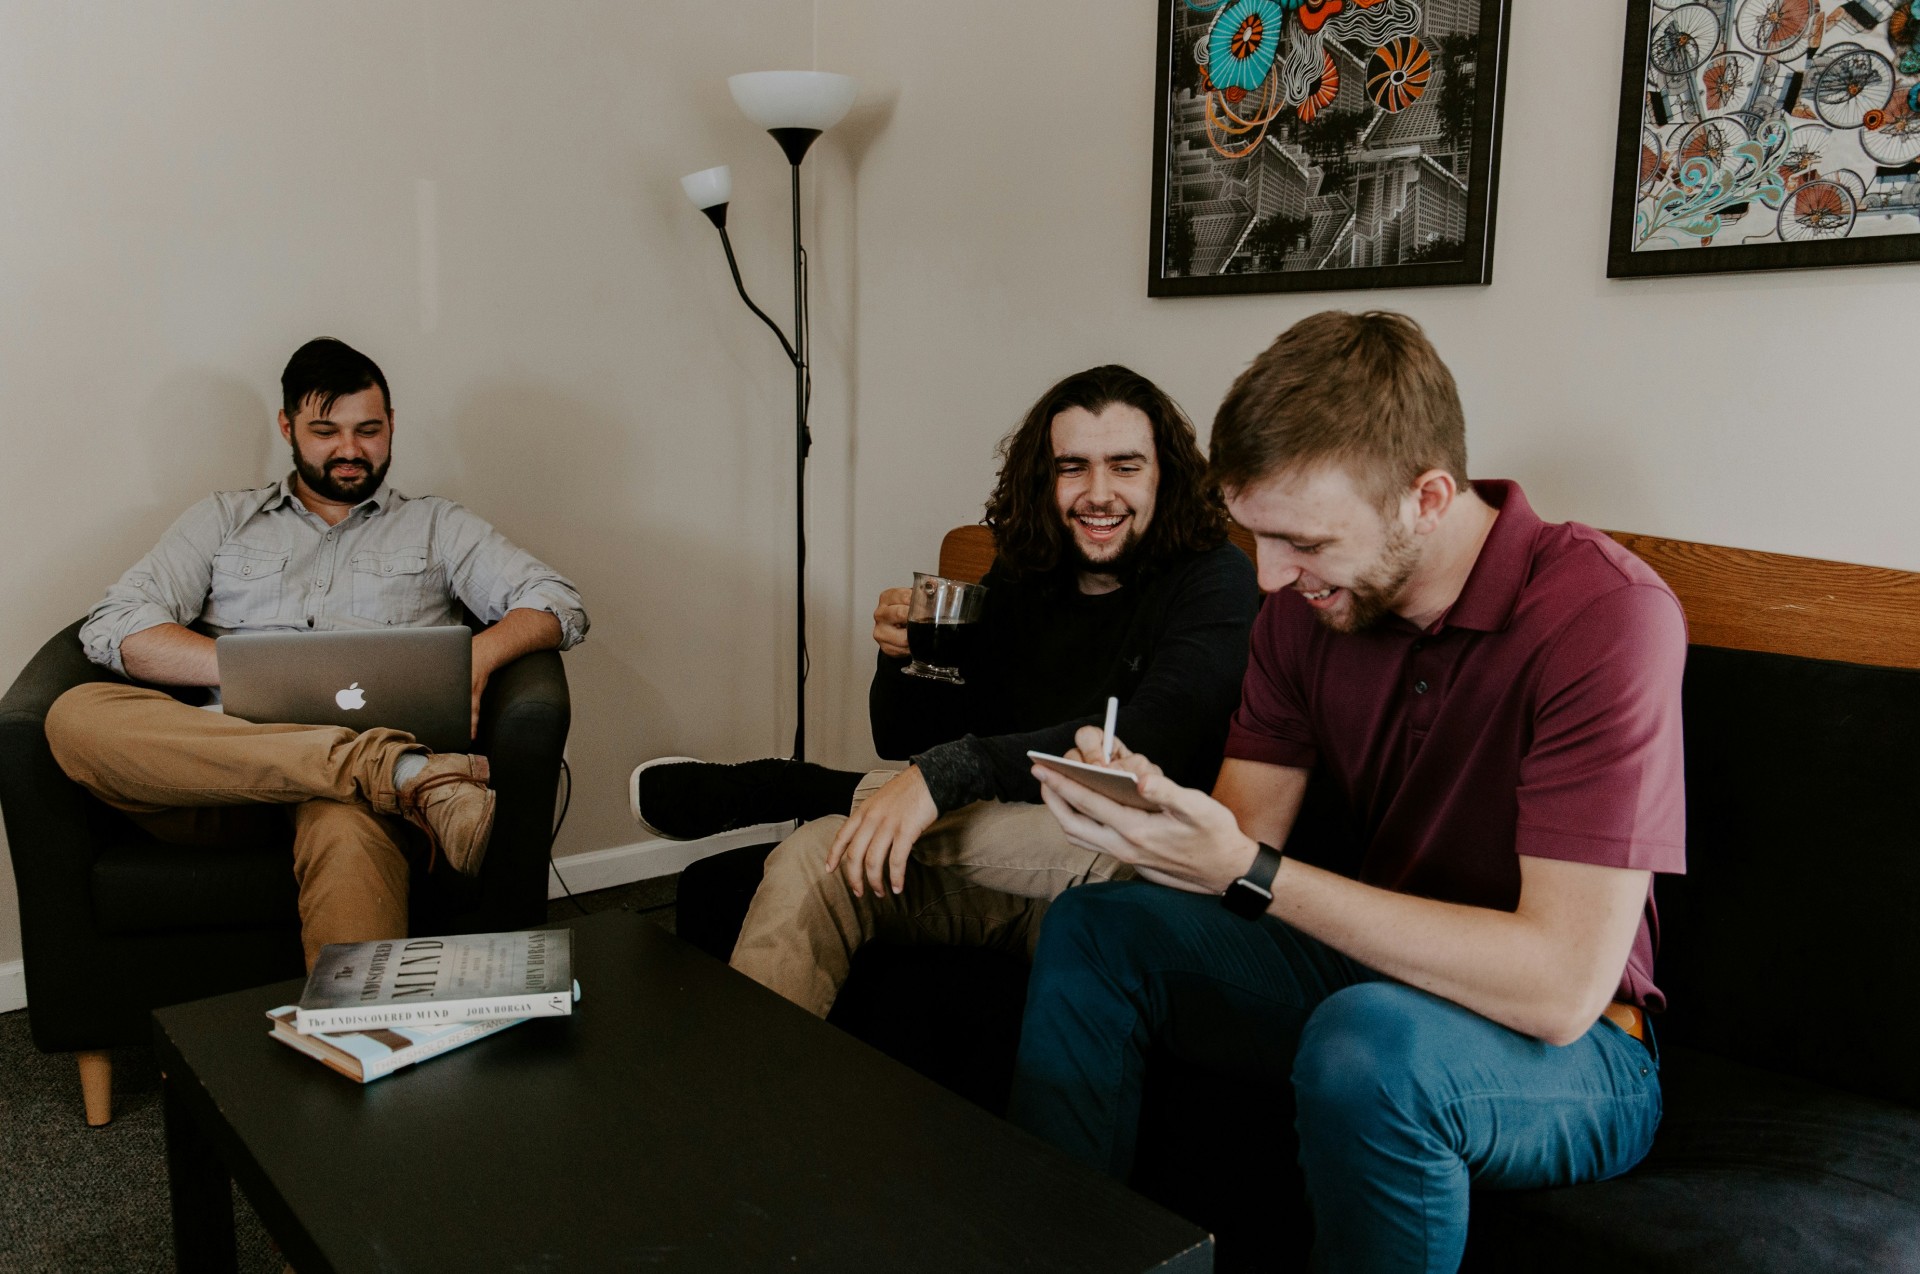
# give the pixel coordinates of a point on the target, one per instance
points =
(329, 547)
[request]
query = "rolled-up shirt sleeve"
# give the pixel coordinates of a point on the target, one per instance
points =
(492, 576)
(167, 586)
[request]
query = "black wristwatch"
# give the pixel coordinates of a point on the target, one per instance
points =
(1249, 896)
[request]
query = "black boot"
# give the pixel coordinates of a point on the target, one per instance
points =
(683, 798)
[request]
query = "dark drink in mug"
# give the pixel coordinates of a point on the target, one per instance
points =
(942, 645)
(943, 627)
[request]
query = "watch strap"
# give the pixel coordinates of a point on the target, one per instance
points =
(1266, 865)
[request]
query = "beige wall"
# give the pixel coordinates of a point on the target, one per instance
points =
(484, 197)
(1002, 241)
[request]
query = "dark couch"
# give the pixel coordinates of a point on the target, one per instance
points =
(1790, 1055)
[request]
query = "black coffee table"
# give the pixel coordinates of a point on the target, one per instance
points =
(684, 1118)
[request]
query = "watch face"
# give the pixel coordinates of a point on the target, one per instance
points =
(1246, 899)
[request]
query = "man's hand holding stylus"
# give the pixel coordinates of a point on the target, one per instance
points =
(1193, 842)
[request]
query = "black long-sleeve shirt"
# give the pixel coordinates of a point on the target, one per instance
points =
(1172, 644)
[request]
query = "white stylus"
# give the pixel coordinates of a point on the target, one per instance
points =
(1106, 736)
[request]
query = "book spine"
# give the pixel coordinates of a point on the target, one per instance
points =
(433, 1013)
(433, 1048)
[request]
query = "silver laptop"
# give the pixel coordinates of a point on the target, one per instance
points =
(415, 679)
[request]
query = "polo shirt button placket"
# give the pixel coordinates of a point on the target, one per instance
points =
(1422, 667)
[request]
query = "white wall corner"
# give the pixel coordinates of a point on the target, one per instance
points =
(13, 986)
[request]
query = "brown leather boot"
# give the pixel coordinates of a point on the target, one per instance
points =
(450, 801)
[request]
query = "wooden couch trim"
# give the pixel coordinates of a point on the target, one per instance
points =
(1736, 598)
(1747, 600)
(967, 551)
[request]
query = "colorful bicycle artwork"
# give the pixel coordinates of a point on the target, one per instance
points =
(1761, 134)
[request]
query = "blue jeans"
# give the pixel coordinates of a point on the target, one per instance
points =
(1404, 1100)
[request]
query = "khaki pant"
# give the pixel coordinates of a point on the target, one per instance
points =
(981, 876)
(199, 778)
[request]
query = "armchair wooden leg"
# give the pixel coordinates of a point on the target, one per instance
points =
(96, 1085)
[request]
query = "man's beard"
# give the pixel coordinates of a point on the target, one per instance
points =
(323, 484)
(1371, 596)
(1126, 556)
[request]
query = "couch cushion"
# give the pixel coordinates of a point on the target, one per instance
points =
(951, 1013)
(143, 886)
(1803, 861)
(1751, 1171)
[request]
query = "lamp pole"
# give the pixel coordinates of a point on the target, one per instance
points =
(795, 107)
(802, 444)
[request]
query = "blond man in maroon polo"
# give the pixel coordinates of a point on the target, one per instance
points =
(1482, 711)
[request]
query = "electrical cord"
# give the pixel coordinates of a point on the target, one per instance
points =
(566, 802)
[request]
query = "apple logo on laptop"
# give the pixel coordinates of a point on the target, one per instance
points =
(352, 697)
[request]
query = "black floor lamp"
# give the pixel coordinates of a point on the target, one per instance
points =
(796, 107)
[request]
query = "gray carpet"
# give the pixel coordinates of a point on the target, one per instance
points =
(75, 1199)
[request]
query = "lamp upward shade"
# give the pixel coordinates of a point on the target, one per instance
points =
(815, 100)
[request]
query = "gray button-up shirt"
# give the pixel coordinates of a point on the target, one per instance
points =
(250, 561)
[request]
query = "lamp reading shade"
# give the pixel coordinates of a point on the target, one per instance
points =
(709, 186)
(709, 190)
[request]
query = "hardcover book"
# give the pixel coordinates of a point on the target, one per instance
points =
(367, 1055)
(436, 981)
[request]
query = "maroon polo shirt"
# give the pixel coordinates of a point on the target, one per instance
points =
(1540, 716)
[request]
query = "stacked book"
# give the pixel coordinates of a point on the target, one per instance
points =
(371, 1008)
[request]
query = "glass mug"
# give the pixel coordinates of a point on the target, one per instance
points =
(943, 627)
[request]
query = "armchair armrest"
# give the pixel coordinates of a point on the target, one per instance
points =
(50, 832)
(56, 668)
(524, 718)
(48, 829)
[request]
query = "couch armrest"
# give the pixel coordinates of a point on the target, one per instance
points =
(524, 718)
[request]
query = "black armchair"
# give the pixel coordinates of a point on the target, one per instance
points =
(115, 924)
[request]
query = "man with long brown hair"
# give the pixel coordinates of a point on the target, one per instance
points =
(1113, 577)
(1475, 711)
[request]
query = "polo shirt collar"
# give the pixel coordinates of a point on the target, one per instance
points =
(1500, 572)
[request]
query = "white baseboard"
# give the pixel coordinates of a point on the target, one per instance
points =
(642, 860)
(13, 986)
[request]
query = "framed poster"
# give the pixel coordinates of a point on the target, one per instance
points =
(1315, 145)
(1767, 135)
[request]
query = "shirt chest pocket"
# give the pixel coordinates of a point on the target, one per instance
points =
(249, 585)
(391, 587)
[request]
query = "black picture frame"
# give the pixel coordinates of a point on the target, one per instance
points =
(1639, 75)
(1477, 171)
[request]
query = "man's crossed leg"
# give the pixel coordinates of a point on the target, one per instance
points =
(197, 777)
